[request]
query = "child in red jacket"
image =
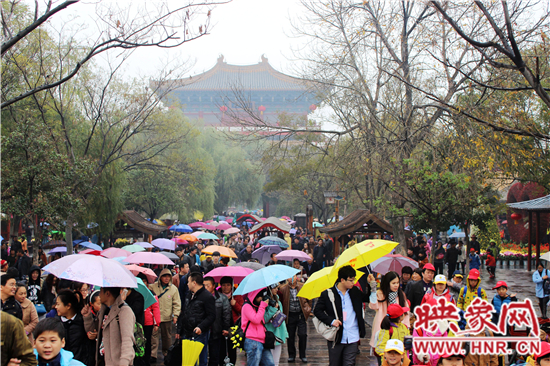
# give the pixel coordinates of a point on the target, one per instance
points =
(491, 264)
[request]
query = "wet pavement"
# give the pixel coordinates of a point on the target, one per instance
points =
(519, 281)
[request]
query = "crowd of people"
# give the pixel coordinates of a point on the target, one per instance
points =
(83, 325)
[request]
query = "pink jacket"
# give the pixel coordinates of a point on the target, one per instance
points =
(256, 330)
(433, 357)
(381, 311)
(152, 314)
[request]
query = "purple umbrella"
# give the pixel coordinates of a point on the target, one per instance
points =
(144, 244)
(164, 244)
(290, 255)
(91, 269)
(58, 250)
(263, 254)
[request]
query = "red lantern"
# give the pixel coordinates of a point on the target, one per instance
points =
(312, 107)
(516, 217)
(223, 109)
(261, 109)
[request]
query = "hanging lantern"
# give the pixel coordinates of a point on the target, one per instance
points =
(516, 217)
(312, 107)
(223, 109)
(261, 109)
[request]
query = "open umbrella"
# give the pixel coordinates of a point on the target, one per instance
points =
(252, 265)
(144, 244)
(210, 227)
(362, 254)
(233, 230)
(224, 251)
(181, 228)
(164, 244)
(229, 220)
(392, 262)
(224, 226)
(285, 217)
(92, 269)
(320, 281)
(265, 277)
(545, 257)
(207, 236)
(197, 224)
(317, 224)
(151, 276)
(133, 248)
(236, 272)
(179, 241)
(273, 240)
(191, 351)
(459, 234)
(148, 297)
(149, 257)
(188, 237)
(263, 254)
(290, 255)
(171, 256)
(90, 252)
(115, 252)
(89, 245)
(54, 244)
(58, 250)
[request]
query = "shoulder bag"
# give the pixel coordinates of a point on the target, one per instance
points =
(327, 331)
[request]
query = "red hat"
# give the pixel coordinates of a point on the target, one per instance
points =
(473, 275)
(448, 355)
(472, 250)
(3, 262)
(395, 311)
(429, 266)
(500, 284)
(544, 350)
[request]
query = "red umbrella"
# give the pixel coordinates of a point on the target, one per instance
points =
(90, 251)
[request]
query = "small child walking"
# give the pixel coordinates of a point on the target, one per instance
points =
(390, 328)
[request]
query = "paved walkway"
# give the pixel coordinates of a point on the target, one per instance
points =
(518, 279)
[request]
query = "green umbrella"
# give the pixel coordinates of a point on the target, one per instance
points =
(207, 236)
(133, 248)
(317, 224)
(148, 297)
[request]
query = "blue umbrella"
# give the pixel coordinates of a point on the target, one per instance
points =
(87, 244)
(181, 228)
(148, 297)
(263, 254)
(273, 240)
(265, 277)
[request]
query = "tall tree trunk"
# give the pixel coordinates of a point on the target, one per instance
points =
(399, 235)
(69, 235)
(14, 228)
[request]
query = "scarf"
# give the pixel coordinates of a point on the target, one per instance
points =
(392, 297)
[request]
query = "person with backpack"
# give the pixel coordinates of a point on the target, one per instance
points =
(115, 325)
(540, 278)
(475, 261)
(439, 289)
(390, 329)
(472, 290)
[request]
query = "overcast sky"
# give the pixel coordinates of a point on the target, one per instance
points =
(242, 31)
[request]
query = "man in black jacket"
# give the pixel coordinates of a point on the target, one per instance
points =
(198, 315)
(416, 291)
(451, 257)
(220, 328)
(310, 267)
(348, 301)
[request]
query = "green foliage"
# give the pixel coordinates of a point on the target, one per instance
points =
(488, 234)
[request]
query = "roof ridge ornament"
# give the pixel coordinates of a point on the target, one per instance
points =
(264, 59)
(220, 59)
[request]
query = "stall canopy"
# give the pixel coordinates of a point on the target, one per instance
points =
(271, 222)
(248, 216)
(357, 222)
(536, 224)
(138, 223)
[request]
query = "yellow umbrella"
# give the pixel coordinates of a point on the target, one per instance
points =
(320, 281)
(191, 351)
(224, 252)
(364, 253)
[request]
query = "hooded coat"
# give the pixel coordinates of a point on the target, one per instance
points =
(464, 300)
(252, 321)
(169, 298)
(66, 358)
(34, 287)
(430, 294)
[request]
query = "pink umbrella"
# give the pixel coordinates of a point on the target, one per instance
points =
(179, 241)
(197, 233)
(290, 255)
(197, 224)
(392, 262)
(114, 253)
(236, 272)
(233, 230)
(285, 217)
(164, 244)
(229, 220)
(151, 276)
(144, 244)
(223, 222)
(224, 226)
(90, 251)
(149, 257)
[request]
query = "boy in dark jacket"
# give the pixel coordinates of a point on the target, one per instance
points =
(500, 299)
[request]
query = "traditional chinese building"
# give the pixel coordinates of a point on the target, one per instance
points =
(267, 92)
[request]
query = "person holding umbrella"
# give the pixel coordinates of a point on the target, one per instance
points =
(348, 300)
(236, 303)
(252, 324)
